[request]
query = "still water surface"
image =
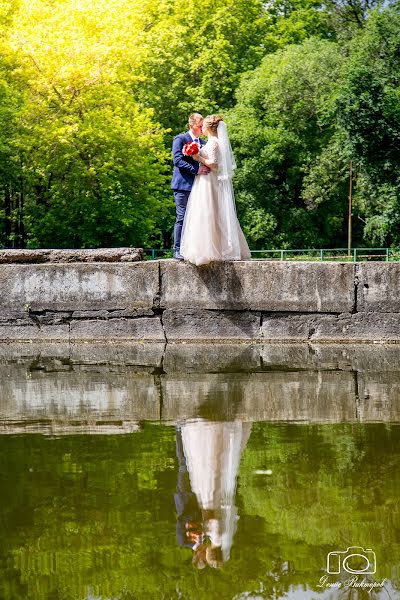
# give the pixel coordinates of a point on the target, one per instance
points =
(202, 474)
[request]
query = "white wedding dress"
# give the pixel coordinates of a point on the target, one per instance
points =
(213, 451)
(211, 230)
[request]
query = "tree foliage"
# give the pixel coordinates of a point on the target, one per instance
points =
(91, 160)
(92, 92)
(300, 118)
(369, 113)
(284, 136)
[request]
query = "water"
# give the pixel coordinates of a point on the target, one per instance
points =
(199, 472)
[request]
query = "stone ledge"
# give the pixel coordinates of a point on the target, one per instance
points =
(345, 327)
(144, 328)
(211, 325)
(189, 325)
(366, 326)
(244, 300)
(378, 287)
(71, 256)
(34, 333)
(77, 287)
(259, 285)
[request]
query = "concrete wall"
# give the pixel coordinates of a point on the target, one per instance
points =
(166, 300)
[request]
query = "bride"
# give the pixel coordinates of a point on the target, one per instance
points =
(211, 230)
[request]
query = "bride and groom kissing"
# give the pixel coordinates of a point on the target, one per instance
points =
(206, 227)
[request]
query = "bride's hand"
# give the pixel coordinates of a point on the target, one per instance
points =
(203, 170)
(196, 157)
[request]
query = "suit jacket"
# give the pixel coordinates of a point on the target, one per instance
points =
(185, 167)
(186, 504)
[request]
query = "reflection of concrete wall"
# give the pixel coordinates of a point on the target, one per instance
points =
(104, 388)
(205, 358)
(96, 394)
(295, 396)
(166, 300)
(379, 395)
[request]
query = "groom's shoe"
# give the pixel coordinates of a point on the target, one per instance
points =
(178, 256)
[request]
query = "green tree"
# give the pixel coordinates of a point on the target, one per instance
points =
(91, 94)
(11, 191)
(284, 133)
(197, 54)
(369, 113)
(293, 21)
(91, 161)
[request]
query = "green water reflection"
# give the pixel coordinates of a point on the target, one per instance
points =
(94, 516)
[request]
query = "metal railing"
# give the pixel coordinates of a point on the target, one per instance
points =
(329, 254)
(309, 254)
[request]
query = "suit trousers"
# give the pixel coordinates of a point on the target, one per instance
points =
(181, 199)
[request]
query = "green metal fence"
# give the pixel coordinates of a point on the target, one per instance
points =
(320, 254)
(330, 254)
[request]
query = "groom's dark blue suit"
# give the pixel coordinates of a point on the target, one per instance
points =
(185, 170)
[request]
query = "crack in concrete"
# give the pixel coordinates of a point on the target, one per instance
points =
(163, 327)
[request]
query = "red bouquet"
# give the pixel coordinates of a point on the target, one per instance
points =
(190, 148)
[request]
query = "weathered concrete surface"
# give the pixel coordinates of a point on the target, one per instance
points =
(144, 328)
(379, 287)
(339, 328)
(259, 285)
(32, 332)
(211, 324)
(174, 301)
(68, 256)
(78, 287)
(366, 326)
(288, 326)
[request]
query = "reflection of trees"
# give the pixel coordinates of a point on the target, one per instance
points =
(98, 511)
(330, 485)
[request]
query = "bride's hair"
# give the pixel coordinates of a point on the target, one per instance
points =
(212, 121)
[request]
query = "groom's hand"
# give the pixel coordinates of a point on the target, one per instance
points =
(203, 170)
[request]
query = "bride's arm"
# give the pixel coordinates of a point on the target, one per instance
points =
(208, 162)
(212, 162)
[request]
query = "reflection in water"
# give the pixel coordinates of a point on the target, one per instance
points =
(84, 516)
(212, 452)
(55, 395)
(80, 513)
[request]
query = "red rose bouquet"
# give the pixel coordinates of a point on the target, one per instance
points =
(190, 148)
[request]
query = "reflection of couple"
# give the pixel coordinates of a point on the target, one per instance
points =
(206, 228)
(209, 455)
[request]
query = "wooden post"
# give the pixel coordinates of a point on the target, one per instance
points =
(350, 209)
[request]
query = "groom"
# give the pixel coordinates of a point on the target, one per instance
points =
(185, 170)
